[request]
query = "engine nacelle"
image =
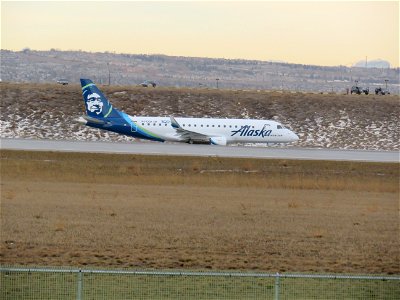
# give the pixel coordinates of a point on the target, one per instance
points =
(218, 140)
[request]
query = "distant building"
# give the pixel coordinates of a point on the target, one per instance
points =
(377, 63)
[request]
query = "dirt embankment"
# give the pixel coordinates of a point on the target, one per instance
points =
(321, 120)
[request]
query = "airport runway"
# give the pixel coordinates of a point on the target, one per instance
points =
(153, 148)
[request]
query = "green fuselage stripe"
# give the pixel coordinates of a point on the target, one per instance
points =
(149, 133)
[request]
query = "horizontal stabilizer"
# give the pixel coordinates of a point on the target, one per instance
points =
(94, 120)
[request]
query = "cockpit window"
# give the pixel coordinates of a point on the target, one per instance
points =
(279, 127)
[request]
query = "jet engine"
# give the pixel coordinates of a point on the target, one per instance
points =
(218, 140)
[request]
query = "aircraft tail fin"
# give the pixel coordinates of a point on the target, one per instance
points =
(97, 105)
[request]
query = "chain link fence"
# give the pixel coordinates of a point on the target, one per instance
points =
(82, 284)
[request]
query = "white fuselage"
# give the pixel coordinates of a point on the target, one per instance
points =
(233, 130)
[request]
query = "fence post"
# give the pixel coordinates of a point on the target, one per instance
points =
(277, 286)
(79, 290)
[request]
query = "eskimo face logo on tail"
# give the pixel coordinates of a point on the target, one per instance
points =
(94, 103)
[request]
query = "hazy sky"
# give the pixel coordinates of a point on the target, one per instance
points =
(319, 33)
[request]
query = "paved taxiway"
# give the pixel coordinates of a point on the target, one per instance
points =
(154, 148)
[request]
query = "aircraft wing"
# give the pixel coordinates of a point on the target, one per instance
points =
(188, 135)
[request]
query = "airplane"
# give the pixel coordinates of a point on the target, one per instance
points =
(101, 114)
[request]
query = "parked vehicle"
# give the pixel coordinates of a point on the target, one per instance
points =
(148, 83)
(62, 81)
(359, 90)
(380, 91)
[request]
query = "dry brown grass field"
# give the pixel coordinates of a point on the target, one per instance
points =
(135, 211)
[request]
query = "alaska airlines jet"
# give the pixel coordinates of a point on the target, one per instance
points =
(101, 114)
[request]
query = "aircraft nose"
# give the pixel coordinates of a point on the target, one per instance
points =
(294, 137)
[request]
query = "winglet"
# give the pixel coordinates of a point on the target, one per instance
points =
(174, 123)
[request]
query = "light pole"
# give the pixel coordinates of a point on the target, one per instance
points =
(109, 75)
(217, 79)
(386, 81)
